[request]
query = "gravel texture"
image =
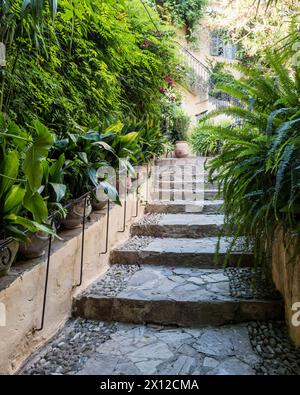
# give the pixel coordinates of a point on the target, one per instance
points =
(70, 349)
(114, 281)
(89, 347)
(151, 219)
(137, 243)
(249, 283)
(271, 342)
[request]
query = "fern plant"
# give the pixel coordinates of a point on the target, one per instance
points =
(259, 166)
(204, 142)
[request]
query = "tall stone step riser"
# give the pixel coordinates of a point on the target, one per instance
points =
(178, 259)
(176, 231)
(184, 313)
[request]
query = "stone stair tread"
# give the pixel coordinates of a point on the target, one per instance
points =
(173, 295)
(191, 219)
(188, 202)
(185, 245)
(178, 225)
(183, 206)
(198, 252)
(170, 283)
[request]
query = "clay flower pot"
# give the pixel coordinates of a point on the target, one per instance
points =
(99, 202)
(74, 217)
(182, 149)
(7, 256)
(36, 246)
(99, 206)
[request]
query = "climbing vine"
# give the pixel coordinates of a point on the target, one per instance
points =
(184, 12)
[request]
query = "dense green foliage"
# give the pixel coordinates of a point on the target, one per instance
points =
(21, 174)
(98, 60)
(81, 73)
(185, 12)
(259, 166)
(203, 141)
(176, 122)
(218, 75)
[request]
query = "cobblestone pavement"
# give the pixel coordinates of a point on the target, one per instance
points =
(97, 348)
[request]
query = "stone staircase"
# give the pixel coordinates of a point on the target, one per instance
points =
(164, 307)
(167, 272)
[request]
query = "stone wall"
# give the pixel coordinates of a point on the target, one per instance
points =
(22, 290)
(286, 275)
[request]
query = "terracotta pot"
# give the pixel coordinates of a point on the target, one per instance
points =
(182, 149)
(99, 206)
(7, 257)
(75, 215)
(36, 246)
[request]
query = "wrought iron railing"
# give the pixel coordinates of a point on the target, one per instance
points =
(6, 244)
(197, 73)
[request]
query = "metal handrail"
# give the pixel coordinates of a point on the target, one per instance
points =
(192, 56)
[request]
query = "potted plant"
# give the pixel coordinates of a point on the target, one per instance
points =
(20, 175)
(84, 155)
(180, 129)
(53, 191)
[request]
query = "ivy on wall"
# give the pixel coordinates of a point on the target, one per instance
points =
(184, 12)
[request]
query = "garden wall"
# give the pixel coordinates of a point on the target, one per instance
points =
(286, 275)
(22, 290)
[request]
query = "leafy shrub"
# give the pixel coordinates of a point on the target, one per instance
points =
(259, 166)
(185, 12)
(98, 60)
(82, 70)
(21, 174)
(203, 140)
(176, 122)
(218, 75)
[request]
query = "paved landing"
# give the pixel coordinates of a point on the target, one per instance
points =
(145, 350)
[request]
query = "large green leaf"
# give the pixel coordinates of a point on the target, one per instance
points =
(104, 145)
(14, 198)
(9, 171)
(36, 206)
(129, 138)
(27, 224)
(116, 128)
(60, 190)
(56, 169)
(110, 191)
(36, 152)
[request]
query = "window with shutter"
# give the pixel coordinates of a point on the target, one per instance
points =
(219, 48)
(214, 44)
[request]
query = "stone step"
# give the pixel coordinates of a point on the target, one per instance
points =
(172, 296)
(183, 206)
(200, 161)
(178, 252)
(178, 225)
(183, 184)
(184, 194)
(178, 175)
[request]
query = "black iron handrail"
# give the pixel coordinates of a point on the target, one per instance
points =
(192, 56)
